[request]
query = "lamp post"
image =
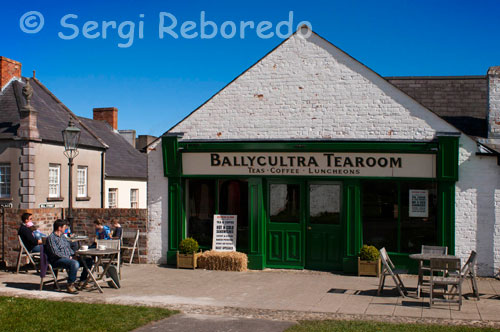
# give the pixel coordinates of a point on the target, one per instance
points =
(71, 138)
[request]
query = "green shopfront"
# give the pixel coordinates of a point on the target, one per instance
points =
(313, 204)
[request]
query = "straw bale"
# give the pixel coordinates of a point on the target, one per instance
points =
(223, 261)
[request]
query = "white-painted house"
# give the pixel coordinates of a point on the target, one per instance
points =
(307, 125)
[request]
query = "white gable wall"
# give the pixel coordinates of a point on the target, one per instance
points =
(307, 88)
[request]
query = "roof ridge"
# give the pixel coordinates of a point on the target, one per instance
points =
(60, 103)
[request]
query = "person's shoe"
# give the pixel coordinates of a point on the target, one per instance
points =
(81, 285)
(71, 289)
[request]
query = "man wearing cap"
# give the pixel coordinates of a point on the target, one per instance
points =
(26, 234)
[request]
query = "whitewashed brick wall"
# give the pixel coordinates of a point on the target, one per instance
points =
(157, 206)
(477, 211)
(494, 102)
(308, 89)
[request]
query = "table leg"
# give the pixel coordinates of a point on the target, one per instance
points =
(420, 278)
(91, 274)
(111, 258)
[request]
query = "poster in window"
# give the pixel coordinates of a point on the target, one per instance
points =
(224, 238)
(419, 203)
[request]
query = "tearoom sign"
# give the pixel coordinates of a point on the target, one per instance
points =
(310, 164)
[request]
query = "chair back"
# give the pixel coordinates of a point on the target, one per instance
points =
(434, 250)
(445, 265)
(21, 243)
(130, 234)
(109, 244)
(386, 260)
(470, 265)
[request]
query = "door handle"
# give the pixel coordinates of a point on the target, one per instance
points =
(309, 227)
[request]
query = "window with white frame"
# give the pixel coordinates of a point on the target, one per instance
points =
(82, 181)
(134, 198)
(112, 198)
(4, 180)
(54, 180)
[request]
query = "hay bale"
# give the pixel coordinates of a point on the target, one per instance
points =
(223, 261)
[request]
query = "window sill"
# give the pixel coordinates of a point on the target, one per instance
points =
(82, 199)
(55, 199)
(6, 199)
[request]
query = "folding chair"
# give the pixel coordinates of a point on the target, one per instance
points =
(112, 244)
(53, 271)
(469, 271)
(23, 252)
(388, 268)
(446, 272)
(135, 236)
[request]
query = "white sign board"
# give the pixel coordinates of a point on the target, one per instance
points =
(419, 203)
(224, 237)
(356, 164)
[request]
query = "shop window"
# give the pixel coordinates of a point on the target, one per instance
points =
(418, 215)
(284, 203)
(233, 199)
(380, 214)
(200, 210)
(324, 204)
(400, 216)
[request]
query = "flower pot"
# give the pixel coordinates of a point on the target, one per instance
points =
(187, 261)
(368, 268)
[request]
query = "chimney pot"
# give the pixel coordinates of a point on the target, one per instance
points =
(108, 114)
(9, 69)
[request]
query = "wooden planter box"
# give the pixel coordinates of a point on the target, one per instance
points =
(368, 268)
(187, 261)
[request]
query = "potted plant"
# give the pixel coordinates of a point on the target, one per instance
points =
(369, 261)
(188, 253)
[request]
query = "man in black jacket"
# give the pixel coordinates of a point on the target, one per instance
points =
(26, 234)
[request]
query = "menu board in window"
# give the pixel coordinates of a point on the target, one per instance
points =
(419, 203)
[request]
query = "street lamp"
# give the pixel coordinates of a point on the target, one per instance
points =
(71, 138)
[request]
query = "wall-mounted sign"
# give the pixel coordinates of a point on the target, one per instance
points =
(419, 203)
(6, 205)
(47, 205)
(310, 164)
(224, 237)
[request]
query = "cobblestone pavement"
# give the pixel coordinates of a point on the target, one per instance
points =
(273, 294)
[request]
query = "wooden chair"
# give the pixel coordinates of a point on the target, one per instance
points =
(425, 268)
(446, 272)
(23, 252)
(112, 244)
(388, 268)
(469, 271)
(53, 271)
(131, 235)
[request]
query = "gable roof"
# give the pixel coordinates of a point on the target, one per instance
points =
(460, 100)
(306, 88)
(53, 115)
(122, 159)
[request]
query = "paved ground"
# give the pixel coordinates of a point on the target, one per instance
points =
(210, 323)
(272, 294)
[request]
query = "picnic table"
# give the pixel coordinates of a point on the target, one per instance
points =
(422, 258)
(98, 255)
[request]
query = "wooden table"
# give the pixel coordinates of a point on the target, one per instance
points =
(421, 258)
(94, 274)
(78, 238)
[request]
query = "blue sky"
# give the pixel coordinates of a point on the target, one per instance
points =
(156, 82)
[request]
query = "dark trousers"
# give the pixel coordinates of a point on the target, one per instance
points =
(72, 266)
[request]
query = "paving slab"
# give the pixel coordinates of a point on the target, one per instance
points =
(207, 323)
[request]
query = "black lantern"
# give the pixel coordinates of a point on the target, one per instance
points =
(71, 138)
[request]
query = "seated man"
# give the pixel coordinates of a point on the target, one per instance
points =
(61, 255)
(26, 234)
(117, 230)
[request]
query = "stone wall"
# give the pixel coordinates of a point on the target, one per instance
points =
(130, 219)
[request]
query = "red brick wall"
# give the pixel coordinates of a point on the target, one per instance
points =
(130, 219)
(108, 114)
(8, 69)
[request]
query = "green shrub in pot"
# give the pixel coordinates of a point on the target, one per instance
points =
(369, 253)
(188, 246)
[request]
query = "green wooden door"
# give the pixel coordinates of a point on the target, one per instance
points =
(285, 225)
(324, 226)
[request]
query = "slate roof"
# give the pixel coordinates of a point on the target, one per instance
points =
(53, 115)
(122, 159)
(460, 100)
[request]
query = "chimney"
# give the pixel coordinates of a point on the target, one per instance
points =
(494, 102)
(9, 69)
(108, 114)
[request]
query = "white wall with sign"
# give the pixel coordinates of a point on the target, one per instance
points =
(224, 236)
(310, 164)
